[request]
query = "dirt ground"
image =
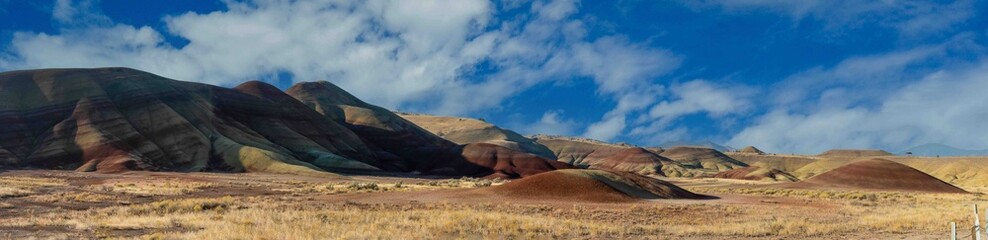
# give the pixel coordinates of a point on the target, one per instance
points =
(158, 205)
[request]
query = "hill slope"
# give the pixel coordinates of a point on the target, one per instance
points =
(880, 174)
(467, 130)
(592, 185)
(702, 158)
(115, 119)
(594, 154)
(415, 148)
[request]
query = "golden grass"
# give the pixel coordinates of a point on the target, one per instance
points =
(301, 188)
(23, 186)
(152, 188)
(299, 213)
(894, 212)
(87, 197)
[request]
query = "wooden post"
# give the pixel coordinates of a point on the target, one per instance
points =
(977, 224)
(953, 231)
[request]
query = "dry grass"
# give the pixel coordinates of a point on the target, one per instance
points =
(754, 211)
(893, 212)
(152, 188)
(23, 186)
(302, 188)
(86, 197)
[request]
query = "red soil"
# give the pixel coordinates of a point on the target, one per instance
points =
(561, 186)
(590, 186)
(880, 174)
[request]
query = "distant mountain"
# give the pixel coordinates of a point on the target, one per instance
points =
(936, 149)
(708, 144)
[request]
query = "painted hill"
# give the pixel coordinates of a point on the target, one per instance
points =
(706, 144)
(589, 153)
(880, 174)
(751, 150)
(592, 186)
(702, 158)
(853, 153)
(757, 174)
(935, 149)
(412, 147)
(785, 163)
(116, 119)
(468, 130)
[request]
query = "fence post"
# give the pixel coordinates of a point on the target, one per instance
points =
(977, 224)
(953, 231)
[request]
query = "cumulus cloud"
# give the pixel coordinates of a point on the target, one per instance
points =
(440, 56)
(551, 122)
(940, 105)
(693, 97)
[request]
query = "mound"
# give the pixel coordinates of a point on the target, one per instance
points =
(408, 146)
(854, 153)
(758, 174)
(592, 154)
(504, 162)
(751, 150)
(960, 171)
(593, 186)
(703, 158)
(467, 130)
(881, 174)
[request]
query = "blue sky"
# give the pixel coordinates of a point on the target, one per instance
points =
(785, 76)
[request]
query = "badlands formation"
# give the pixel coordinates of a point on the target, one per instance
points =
(117, 119)
(117, 152)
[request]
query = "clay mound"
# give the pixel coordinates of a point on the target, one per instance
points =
(881, 174)
(751, 150)
(408, 147)
(599, 155)
(592, 186)
(495, 161)
(468, 130)
(854, 153)
(757, 174)
(702, 158)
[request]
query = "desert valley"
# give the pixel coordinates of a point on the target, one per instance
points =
(122, 153)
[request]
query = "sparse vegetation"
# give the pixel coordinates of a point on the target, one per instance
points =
(152, 188)
(303, 209)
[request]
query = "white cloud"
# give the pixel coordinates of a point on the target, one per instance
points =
(909, 17)
(694, 97)
(82, 12)
(880, 70)
(551, 122)
(945, 106)
(703, 96)
(606, 129)
(412, 55)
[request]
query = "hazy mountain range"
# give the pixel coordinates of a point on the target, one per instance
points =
(936, 149)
